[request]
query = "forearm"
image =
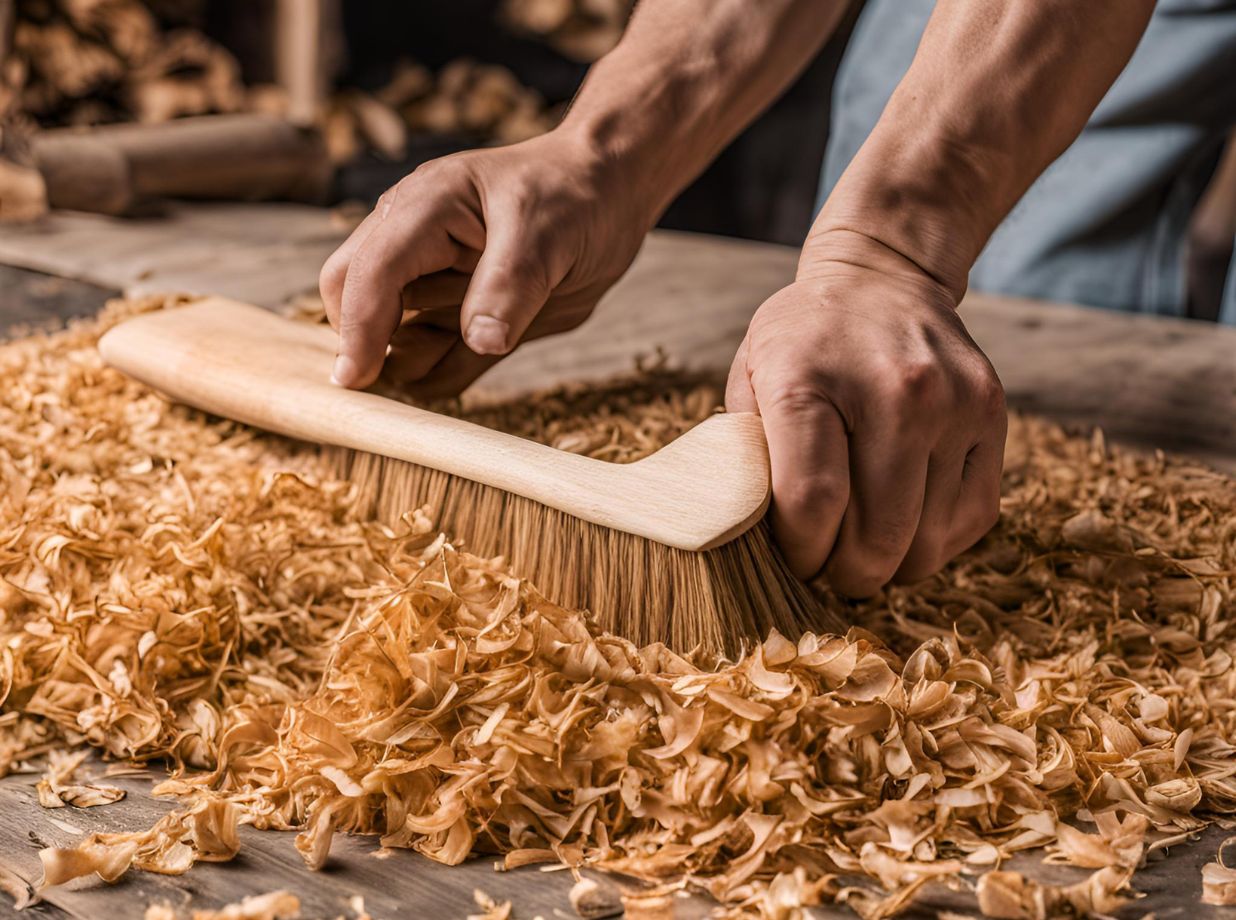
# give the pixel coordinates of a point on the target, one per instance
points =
(997, 90)
(686, 78)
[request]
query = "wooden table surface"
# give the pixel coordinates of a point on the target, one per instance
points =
(1150, 382)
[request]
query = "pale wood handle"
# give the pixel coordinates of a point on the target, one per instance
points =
(241, 362)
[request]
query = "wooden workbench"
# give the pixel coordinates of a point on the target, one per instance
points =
(1148, 381)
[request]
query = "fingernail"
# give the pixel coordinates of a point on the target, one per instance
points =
(487, 335)
(344, 373)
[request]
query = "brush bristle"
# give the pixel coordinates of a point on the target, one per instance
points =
(719, 600)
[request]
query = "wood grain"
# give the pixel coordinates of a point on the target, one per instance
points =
(406, 884)
(400, 883)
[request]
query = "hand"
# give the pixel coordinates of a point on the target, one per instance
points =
(885, 422)
(484, 249)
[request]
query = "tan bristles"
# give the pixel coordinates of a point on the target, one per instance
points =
(719, 600)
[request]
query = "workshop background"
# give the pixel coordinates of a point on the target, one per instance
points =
(389, 84)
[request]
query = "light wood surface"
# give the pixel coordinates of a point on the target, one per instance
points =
(1148, 381)
(405, 884)
(397, 884)
(239, 361)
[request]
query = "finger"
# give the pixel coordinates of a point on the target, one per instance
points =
(810, 476)
(408, 242)
(415, 351)
(511, 284)
(933, 543)
(888, 479)
(438, 318)
(457, 370)
(441, 289)
(739, 397)
(335, 269)
(978, 507)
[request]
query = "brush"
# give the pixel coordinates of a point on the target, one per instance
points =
(672, 548)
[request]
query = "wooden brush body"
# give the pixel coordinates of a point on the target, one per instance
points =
(716, 599)
(671, 548)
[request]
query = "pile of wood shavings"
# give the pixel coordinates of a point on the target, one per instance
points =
(175, 586)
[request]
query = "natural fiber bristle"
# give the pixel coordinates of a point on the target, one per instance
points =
(719, 600)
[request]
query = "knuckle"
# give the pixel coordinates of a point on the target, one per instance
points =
(331, 278)
(917, 382)
(861, 568)
(986, 517)
(988, 392)
(429, 170)
(858, 579)
(794, 399)
(809, 494)
(931, 553)
(974, 525)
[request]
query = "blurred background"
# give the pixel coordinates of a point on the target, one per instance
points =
(383, 85)
(116, 106)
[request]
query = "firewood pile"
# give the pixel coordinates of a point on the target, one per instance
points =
(579, 29)
(88, 63)
(180, 589)
(485, 102)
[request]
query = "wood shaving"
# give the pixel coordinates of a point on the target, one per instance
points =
(490, 908)
(592, 899)
(274, 905)
(175, 586)
(56, 789)
(1219, 879)
(17, 888)
(1012, 896)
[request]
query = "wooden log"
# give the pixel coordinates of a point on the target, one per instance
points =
(121, 168)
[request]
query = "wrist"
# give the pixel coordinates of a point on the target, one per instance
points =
(832, 252)
(924, 199)
(655, 147)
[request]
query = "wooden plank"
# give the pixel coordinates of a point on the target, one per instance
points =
(35, 300)
(1151, 382)
(261, 253)
(403, 883)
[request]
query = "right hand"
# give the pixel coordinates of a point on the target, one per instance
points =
(485, 249)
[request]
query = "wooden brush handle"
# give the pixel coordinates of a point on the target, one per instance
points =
(241, 362)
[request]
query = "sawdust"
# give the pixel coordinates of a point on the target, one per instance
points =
(175, 586)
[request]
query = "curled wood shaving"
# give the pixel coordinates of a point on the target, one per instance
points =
(490, 908)
(593, 899)
(57, 790)
(174, 586)
(274, 905)
(1219, 879)
(1012, 896)
(17, 888)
